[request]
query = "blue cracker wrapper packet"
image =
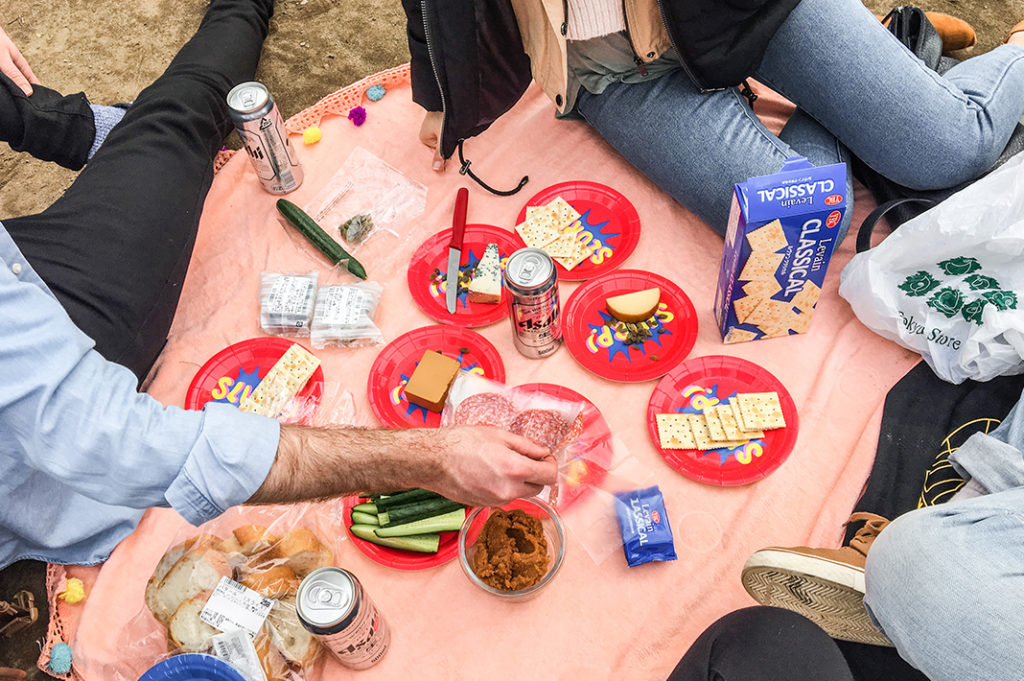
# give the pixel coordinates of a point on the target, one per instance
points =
(643, 520)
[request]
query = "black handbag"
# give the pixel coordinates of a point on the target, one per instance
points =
(896, 202)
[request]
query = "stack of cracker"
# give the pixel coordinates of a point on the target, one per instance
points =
(549, 228)
(745, 417)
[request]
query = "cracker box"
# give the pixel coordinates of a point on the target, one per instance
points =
(782, 229)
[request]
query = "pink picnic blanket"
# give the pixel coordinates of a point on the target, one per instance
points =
(598, 618)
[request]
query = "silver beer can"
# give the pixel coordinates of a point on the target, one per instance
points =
(532, 284)
(261, 128)
(332, 604)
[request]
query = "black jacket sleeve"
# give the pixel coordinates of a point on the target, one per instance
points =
(425, 91)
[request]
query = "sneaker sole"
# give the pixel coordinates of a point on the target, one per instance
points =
(827, 592)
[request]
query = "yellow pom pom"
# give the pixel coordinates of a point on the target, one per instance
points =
(74, 591)
(311, 135)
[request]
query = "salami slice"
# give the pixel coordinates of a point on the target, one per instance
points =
(485, 409)
(543, 426)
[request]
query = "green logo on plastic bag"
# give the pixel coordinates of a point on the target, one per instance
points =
(972, 311)
(947, 301)
(979, 282)
(919, 283)
(959, 266)
(1003, 300)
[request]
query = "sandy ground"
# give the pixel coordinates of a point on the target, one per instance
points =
(110, 49)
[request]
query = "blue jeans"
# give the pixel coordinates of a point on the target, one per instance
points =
(946, 583)
(856, 87)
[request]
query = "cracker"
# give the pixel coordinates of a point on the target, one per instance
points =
(769, 238)
(761, 266)
(770, 314)
(731, 426)
(564, 246)
(801, 322)
(539, 229)
(282, 383)
(564, 214)
(761, 411)
(765, 288)
(774, 331)
(735, 406)
(674, 431)
(745, 307)
(807, 298)
(579, 255)
(699, 426)
(738, 336)
(715, 428)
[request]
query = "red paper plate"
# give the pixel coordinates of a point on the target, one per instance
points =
(705, 382)
(591, 336)
(429, 265)
(592, 469)
(395, 364)
(398, 558)
(608, 222)
(236, 370)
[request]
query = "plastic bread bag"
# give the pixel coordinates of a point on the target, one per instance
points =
(228, 588)
(344, 316)
(287, 302)
(364, 197)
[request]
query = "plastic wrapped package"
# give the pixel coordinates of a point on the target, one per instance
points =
(344, 315)
(364, 197)
(229, 589)
(287, 302)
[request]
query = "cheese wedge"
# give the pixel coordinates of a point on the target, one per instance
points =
(634, 307)
(485, 287)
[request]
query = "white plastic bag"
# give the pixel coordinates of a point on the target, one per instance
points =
(950, 283)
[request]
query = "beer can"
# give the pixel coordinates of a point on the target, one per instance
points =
(259, 124)
(332, 605)
(532, 283)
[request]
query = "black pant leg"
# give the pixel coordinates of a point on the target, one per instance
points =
(48, 125)
(763, 644)
(114, 249)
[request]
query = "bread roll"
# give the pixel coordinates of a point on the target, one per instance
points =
(187, 632)
(274, 582)
(289, 636)
(254, 538)
(195, 572)
(168, 560)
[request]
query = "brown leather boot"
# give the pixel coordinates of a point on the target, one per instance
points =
(956, 34)
(824, 585)
(1016, 29)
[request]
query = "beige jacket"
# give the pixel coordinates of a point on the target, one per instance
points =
(542, 24)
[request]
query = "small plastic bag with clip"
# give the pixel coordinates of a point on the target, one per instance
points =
(287, 302)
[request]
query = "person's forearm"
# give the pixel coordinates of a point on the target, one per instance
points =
(316, 463)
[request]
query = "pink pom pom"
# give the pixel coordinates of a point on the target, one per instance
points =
(357, 115)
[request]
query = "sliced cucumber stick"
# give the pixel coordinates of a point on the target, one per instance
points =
(446, 522)
(416, 510)
(365, 508)
(421, 543)
(384, 503)
(363, 518)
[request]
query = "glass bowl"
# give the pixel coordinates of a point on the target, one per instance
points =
(554, 532)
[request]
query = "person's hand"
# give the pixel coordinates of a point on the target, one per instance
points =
(484, 466)
(430, 134)
(14, 66)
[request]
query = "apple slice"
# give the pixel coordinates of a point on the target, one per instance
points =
(634, 307)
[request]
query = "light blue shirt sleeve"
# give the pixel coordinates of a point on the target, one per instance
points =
(79, 419)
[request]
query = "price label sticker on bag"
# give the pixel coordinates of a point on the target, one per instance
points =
(237, 649)
(233, 606)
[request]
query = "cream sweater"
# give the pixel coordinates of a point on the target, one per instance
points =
(594, 18)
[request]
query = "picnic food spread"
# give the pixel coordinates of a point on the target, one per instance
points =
(511, 551)
(711, 425)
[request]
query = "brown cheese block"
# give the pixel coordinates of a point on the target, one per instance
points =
(429, 383)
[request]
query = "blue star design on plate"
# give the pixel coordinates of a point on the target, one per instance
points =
(471, 262)
(617, 346)
(252, 380)
(597, 230)
(414, 408)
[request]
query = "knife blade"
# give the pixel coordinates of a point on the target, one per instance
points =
(451, 281)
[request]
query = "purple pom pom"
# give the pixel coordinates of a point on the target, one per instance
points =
(357, 115)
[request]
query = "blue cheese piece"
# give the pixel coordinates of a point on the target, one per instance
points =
(485, 287)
